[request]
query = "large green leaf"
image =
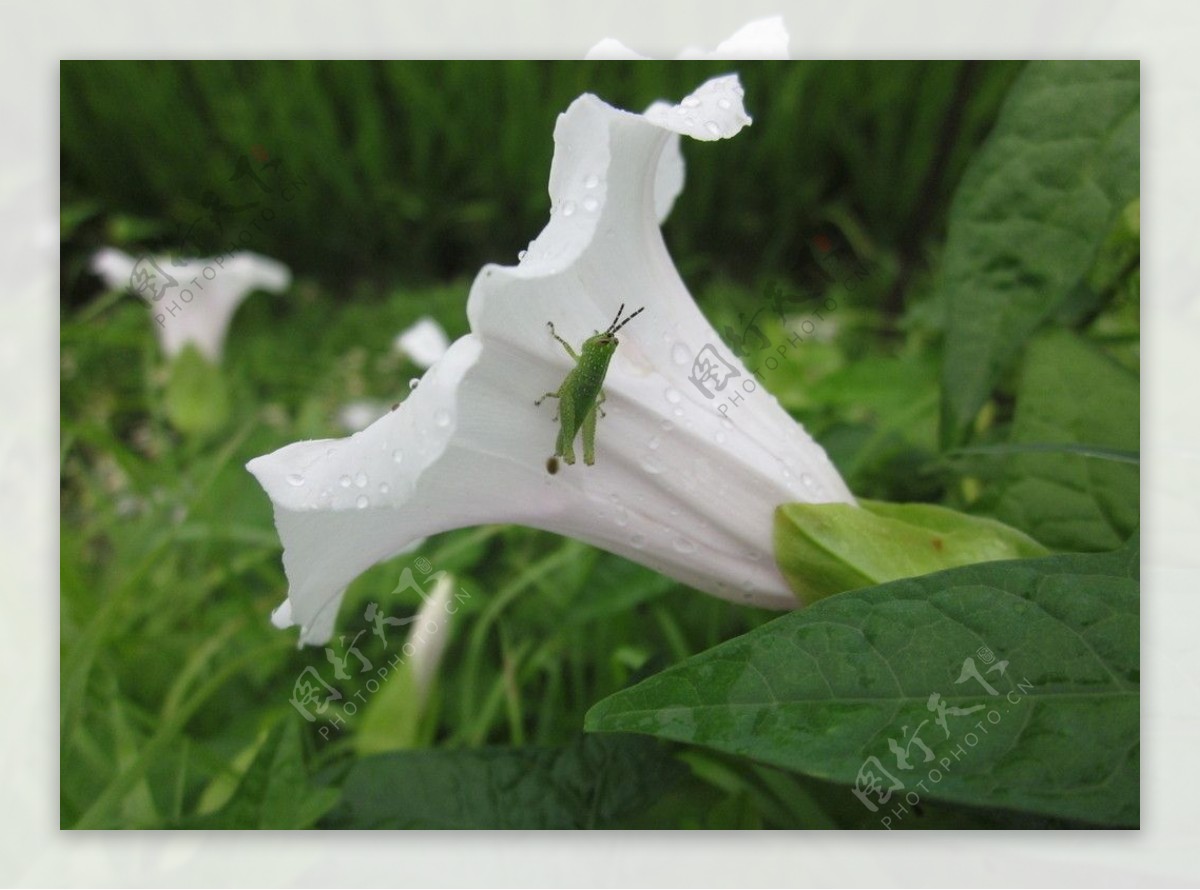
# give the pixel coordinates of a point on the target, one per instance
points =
(826, 689)
(586, 784)
(1030, 216)
(1071, 393)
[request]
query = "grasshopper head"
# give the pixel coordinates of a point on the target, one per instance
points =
(608, 339)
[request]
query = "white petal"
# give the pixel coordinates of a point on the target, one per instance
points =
(668, 179)
(712, 112)
(761, 39)
(424, 342)
(610, 49)
(191, 301)
(676, 486)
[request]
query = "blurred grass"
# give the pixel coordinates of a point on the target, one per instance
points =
(419, 171)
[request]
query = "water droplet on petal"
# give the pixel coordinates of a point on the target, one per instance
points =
(414, 383)
(638, 541)
(568, 208)
(344, 481)
(398, 456)
(362, 502)
(590, 204)
(723, 103)
(295, 479)
(807, 479)
(653, 443)
(591, 181)
(680, 354)
(683, 545)
(667, 426)
(521, 254)
(651, 467)
(713, 127)
(442, 418)
(361, 480)
(384, 488)
(691, 102)
(674, 396)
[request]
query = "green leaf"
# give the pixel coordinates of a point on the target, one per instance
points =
(1030, 216)
(824, 689)
(587, 784)
(276, 792)
(823, 549)
(1072, 393)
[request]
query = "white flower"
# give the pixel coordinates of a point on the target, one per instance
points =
(676, 485)
(424, 342)
(761, 39)
(191, 301)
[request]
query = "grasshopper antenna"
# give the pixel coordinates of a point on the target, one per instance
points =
(616, 327)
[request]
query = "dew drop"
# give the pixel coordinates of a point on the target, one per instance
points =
(806, 479)
(414, 383)
(591, 181)
(442, 419)
(691, 102)
(521, 254)
(667, 426)
(674, 396)
(683, 545)
(362, 502)
(678, 412)
(344, 482)
(680, 354)
(651, 467)
(590, 204)
(622, 518)
(653, 443)
(723, 103)
(384, 488)
(638, 541)
(713, 127)
(398, 456)
(568, 208)
(361, 480)
(295, 479)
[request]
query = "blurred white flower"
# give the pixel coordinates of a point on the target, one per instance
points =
(677, 485)
(191, 301)
(424, 342)
(761, 39)
(360, 414)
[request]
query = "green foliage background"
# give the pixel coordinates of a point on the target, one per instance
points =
(868, 184)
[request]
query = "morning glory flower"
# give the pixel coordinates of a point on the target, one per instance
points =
(684, 482)
(193, 300)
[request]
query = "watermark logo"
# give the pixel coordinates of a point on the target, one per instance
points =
(153, 283)
(878, 786)
(712, 373)
(318, 700)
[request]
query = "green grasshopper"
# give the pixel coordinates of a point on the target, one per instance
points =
(581, 395)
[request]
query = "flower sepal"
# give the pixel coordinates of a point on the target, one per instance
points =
(823, 549)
